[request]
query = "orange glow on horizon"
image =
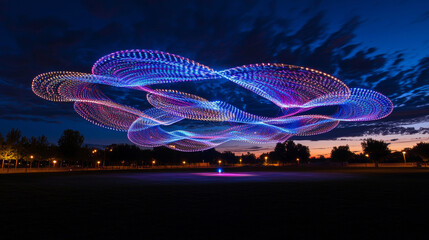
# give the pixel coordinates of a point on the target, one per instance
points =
(324, 147)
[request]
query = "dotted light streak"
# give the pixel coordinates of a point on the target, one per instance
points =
(292, 88)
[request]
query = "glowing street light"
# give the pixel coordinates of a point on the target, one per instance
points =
(54, 162)
(98, 163)
(366, 155)
(220, 161)
(184, 162)
(241, 160)
(297, 160)
(94, 151)
(266, 160)
(405, 160)
(153, 162)
(31, 163)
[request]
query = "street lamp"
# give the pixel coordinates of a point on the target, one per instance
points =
(54, 162)
(153, 163)
(184, 162)
(297, 160)
(220, 161)
(32, 158)
(366, 155)
(405, 160)
(241, 160)
(98, 163)
(266, 160)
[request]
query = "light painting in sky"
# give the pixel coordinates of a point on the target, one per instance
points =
(295, 90)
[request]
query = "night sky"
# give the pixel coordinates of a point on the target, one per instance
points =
(378, 45)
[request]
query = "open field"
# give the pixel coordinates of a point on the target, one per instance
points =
(201, 204)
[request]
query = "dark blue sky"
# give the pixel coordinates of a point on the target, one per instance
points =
(380, 45)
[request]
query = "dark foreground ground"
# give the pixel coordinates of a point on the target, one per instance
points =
(288, 203)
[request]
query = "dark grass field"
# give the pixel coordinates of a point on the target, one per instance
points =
(280, 203)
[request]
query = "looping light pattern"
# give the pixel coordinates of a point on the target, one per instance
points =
(292, 88)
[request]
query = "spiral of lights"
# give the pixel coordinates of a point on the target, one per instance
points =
(294, 89)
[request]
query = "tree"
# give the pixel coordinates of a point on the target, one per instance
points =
(303, 152)
(421, 150)
(209, 155)
(70, 144)
(279, 153)
(8, 153)
(341, 154)
(13, 137)
(376, 150)
(40, 149)
(130, 154)
(249, 158)
(291, 151)
(288, 151)
(12, 147)
(228, 157)
(266, 155)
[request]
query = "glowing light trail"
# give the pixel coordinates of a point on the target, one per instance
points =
(292, 88)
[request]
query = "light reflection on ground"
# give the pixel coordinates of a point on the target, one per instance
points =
(214, 177)
(224, 174)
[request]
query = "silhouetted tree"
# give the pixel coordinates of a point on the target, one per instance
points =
(279, 153)
(70, 144)
(250, 158)
(209, 155)
(289, 152)
(13, 137)
(303, 152)
(421, 150)
(129, 154)
(377, 150)
(269, 159)
(341, 154)
(87, 157)
(40, 149)
(229, 157)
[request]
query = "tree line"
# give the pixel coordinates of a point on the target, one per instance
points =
(378, 151)
(19, 151)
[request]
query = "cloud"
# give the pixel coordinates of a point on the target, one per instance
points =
(361, 64)
(254, 148)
